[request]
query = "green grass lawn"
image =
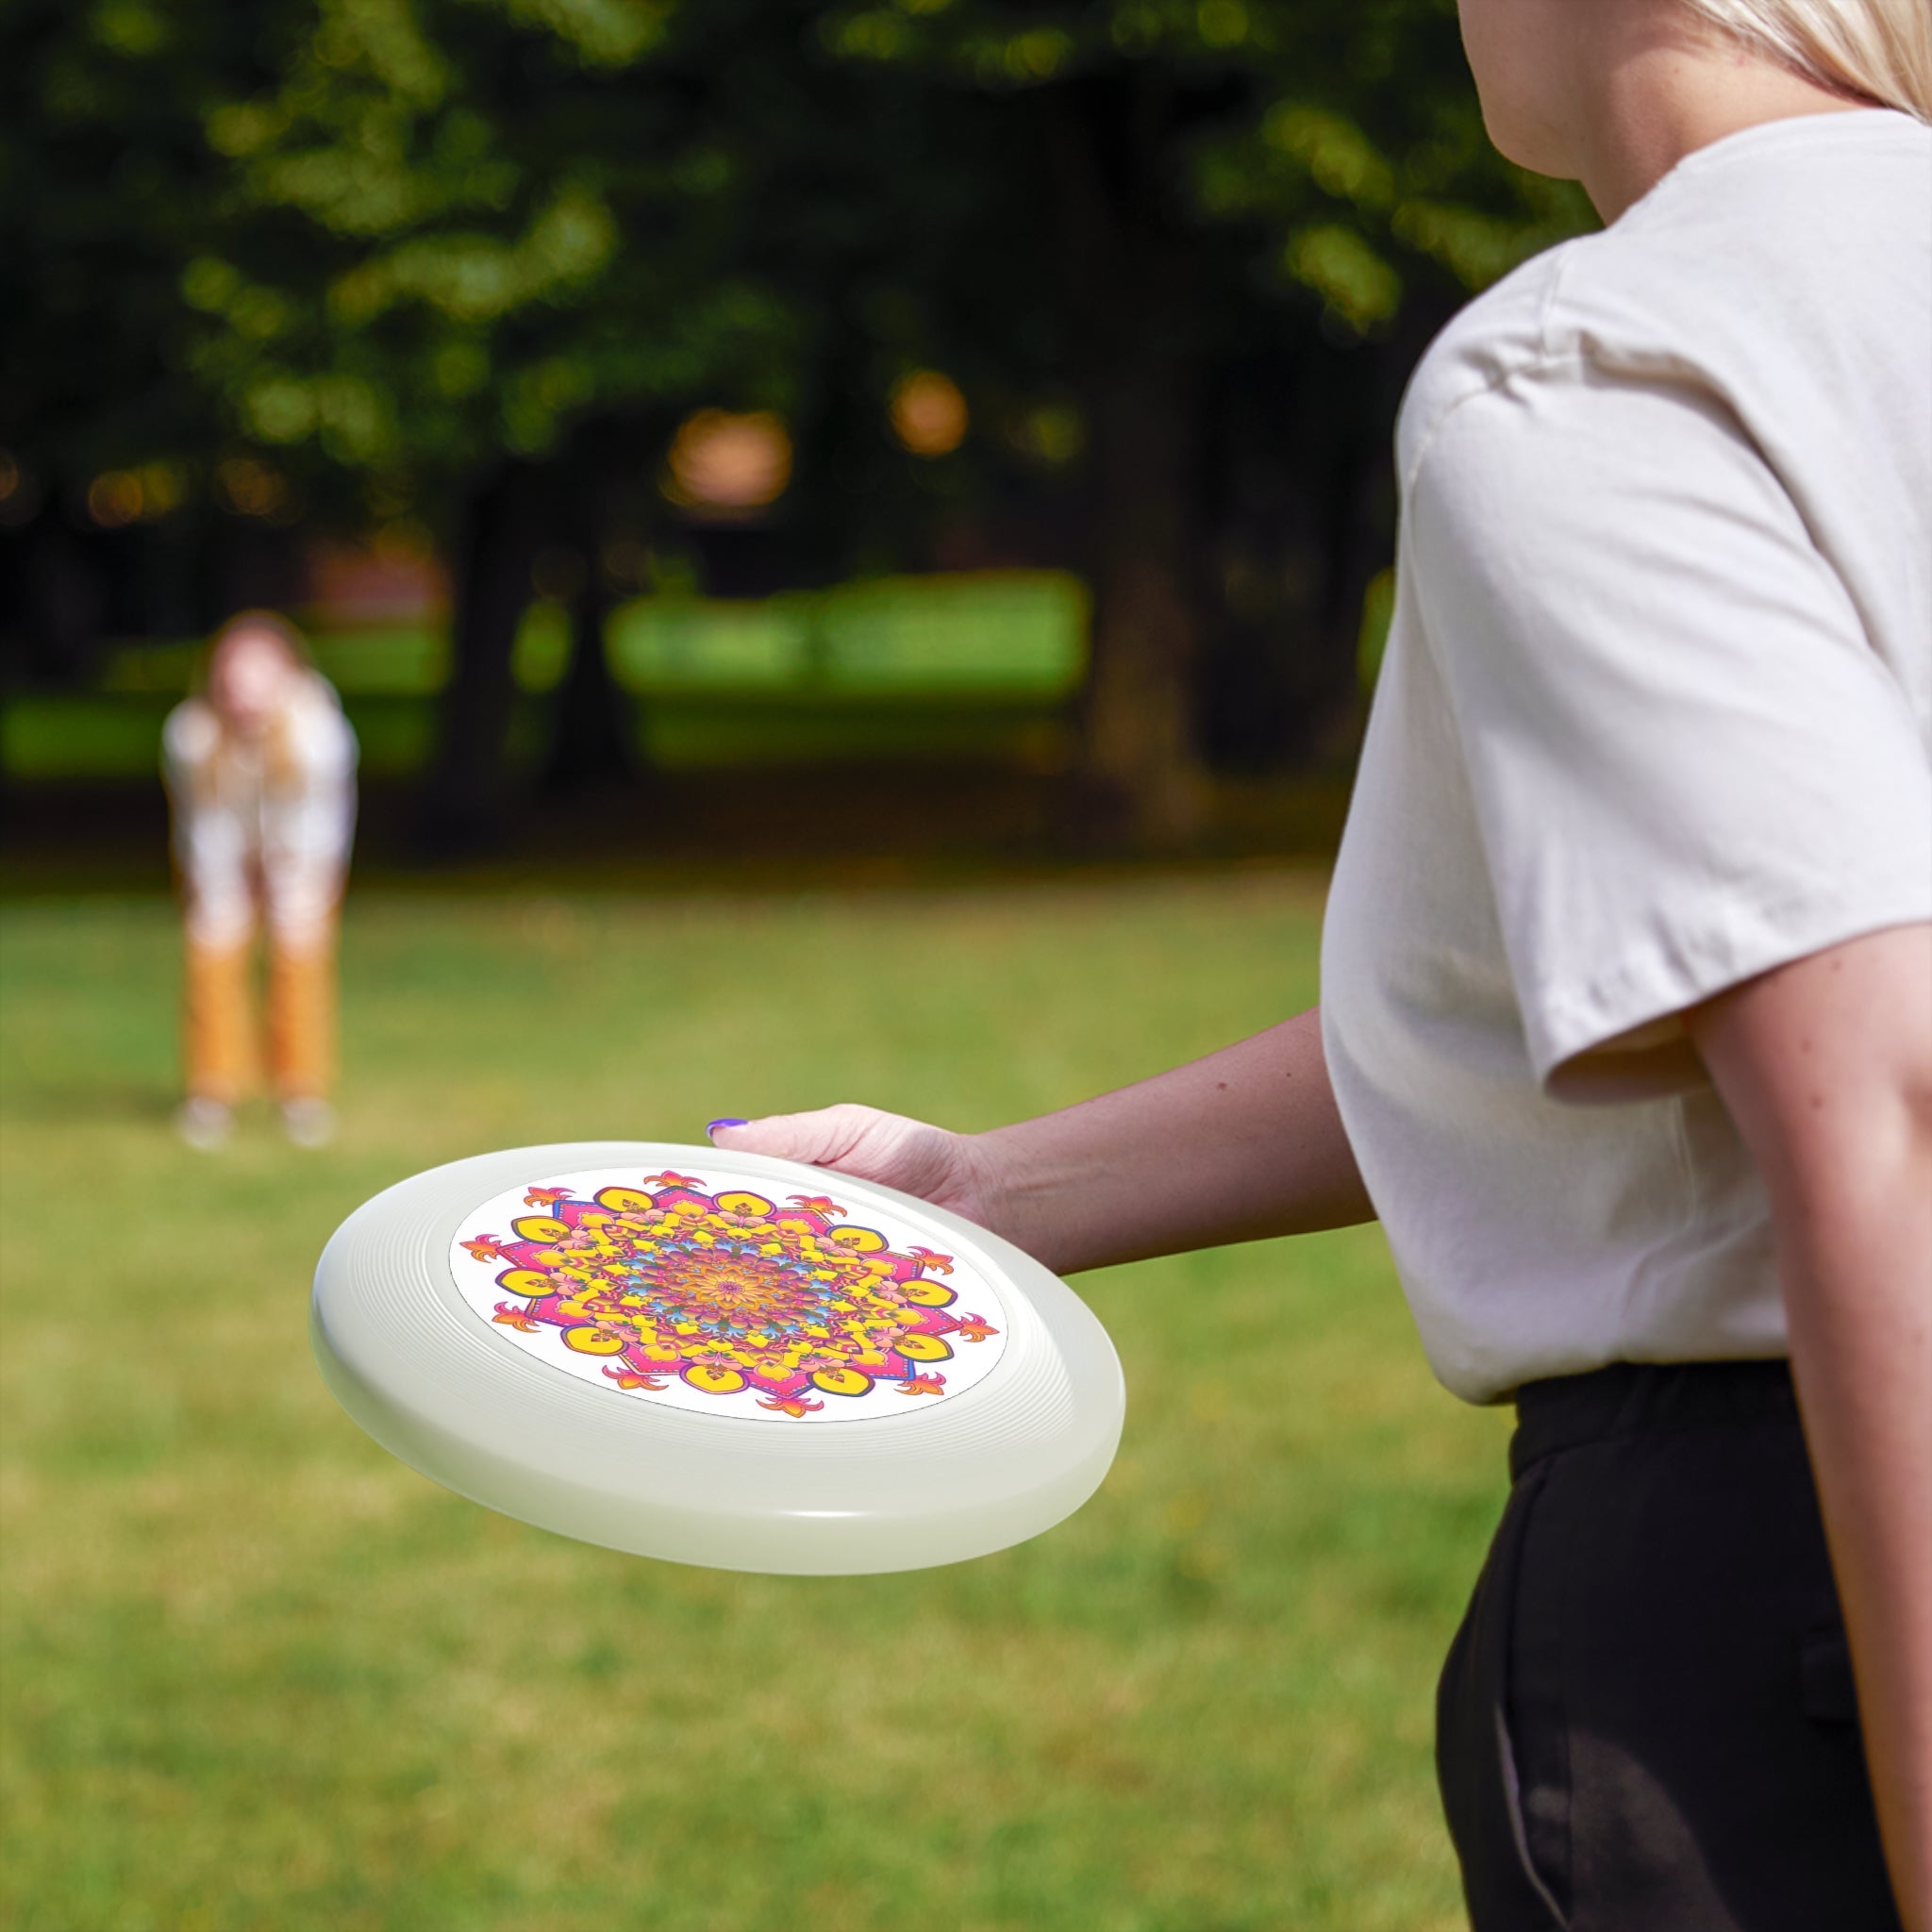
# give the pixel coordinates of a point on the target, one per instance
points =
(259, 1674)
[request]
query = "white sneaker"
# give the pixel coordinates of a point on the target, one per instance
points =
(204, 1123)
(309, 1122)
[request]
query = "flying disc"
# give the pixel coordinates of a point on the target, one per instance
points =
(717, 1359)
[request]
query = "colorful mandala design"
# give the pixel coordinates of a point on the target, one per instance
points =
(727, 1294)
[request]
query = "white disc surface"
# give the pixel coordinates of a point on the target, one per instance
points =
(717, 1359)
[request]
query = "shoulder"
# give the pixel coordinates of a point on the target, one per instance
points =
(1496, 338)
(190, 734)
(1753, 265)
(320, 734)
(1603, 309)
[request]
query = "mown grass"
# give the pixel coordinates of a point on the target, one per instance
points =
(259, 1674)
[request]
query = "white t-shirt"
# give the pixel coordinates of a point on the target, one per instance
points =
(245, 830)
(1655, 716)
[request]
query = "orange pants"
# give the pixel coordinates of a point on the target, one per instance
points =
(223, 1048)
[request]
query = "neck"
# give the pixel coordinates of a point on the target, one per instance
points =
(1660, 93)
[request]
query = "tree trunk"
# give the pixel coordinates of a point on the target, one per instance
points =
(466, 802)
(593, 743)
(63, 605)
(1133, 303)
(1140, 742)
(590, 743)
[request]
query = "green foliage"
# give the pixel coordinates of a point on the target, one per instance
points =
(107, 188)
(498, 238)
(1347, 133)
(396, 238)
(258, 1673)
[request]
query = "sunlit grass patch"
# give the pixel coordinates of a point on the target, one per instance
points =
(259, 1674)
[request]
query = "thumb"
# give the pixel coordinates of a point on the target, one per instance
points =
(815, 1139)
(860, 1141)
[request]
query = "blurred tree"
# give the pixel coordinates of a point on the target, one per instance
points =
(107, 188)
(469, 262)
(483, 231)
(1235, 194)
(504, 247)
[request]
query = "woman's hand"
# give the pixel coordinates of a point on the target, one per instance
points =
(949, 1169)
(1243, 1144)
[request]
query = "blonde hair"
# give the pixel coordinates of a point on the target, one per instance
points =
(1879, 50)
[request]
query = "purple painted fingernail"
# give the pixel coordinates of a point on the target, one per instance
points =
(714, 1125)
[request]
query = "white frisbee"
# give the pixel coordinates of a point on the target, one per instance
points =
(717, 1359)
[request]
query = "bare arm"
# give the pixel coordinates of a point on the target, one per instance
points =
(1827, 1067)
(1240, 1145)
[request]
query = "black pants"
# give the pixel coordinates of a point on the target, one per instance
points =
(1646, 1722)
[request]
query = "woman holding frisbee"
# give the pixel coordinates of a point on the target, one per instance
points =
(260, 767)
(1626, 1032)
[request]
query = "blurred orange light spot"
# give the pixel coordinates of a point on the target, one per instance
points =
(728, 464)
(114, 499)
(250, 489)
(929, 415)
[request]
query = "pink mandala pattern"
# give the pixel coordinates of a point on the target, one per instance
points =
(729, 1293)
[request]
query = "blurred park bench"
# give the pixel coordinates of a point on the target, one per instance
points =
(982, 666)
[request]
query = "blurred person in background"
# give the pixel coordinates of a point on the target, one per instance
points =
(260, 768)
(1626, 1020)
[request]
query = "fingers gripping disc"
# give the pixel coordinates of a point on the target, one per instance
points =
(717, 1359)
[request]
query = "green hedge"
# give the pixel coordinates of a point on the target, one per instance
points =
(977, 665)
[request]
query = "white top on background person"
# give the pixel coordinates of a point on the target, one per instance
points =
(263, 790)
(1668, 729)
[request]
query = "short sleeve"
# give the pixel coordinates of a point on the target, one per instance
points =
(189, 738)
(323, 739)
(1689, 763)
